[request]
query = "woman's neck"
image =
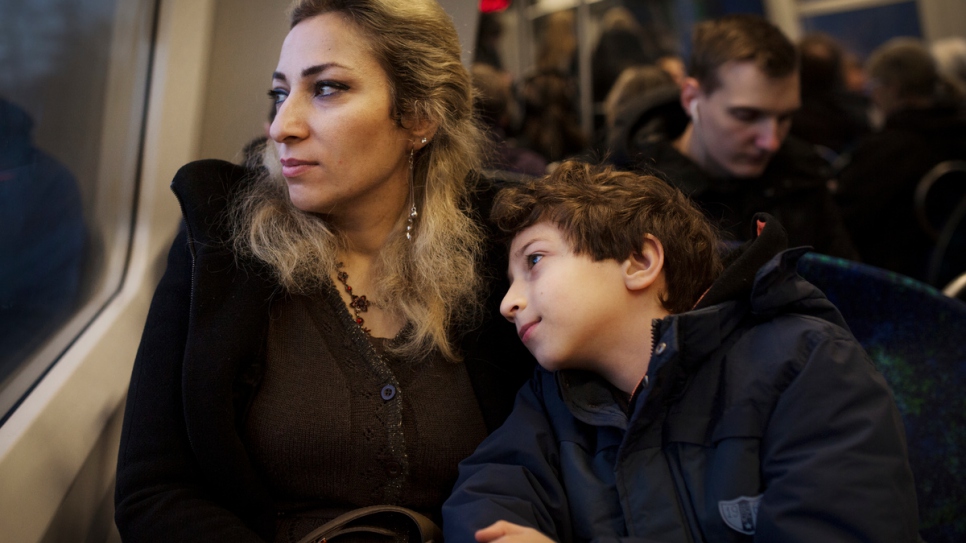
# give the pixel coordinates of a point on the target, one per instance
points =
(371, 221)
(365, 241)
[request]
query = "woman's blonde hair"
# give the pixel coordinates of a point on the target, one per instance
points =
(432, 281)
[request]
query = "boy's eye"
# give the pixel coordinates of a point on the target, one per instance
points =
(533, 259)
(328, 88)
(277, 95)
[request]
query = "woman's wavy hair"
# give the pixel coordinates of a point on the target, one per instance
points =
(606, 213)
(432, 281)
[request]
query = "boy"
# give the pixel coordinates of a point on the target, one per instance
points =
(677, 401)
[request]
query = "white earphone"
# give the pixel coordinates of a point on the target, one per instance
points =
(693, 108)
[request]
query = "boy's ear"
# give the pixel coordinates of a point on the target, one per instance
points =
(643, 268)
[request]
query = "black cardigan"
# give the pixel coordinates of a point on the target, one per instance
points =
(183, 472)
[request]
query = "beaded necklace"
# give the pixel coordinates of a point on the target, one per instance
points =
(359, 304)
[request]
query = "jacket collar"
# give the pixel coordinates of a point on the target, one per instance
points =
(760, 281)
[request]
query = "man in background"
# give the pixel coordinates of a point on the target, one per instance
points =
(924, 125)
(735, 157)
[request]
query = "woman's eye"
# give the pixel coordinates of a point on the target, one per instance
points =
(533, 259)
(327, 88)
(277, 95)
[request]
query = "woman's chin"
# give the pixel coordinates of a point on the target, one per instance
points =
(302, 199)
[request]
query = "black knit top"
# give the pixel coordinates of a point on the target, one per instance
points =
(336, 425)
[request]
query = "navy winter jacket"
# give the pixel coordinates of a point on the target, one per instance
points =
(762, 420)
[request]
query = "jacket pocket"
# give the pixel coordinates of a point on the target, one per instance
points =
(709, 474)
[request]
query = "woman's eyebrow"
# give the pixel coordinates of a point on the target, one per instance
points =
(310, 71)
(319, 68)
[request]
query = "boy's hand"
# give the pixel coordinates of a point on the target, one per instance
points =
(507, 532)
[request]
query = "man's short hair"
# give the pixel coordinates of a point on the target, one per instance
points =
(605, 213)
(905, 64)
(739, 38)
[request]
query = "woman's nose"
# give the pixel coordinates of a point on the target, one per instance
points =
(289, 123)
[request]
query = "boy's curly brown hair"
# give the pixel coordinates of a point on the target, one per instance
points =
(606, 213)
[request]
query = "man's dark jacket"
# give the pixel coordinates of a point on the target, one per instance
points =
(183, 472)
(876, 187)
(762, 420)
(792, 189)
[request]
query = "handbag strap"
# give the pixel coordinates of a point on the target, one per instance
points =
(427, 529)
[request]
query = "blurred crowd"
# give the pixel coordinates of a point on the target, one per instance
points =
(832, 144)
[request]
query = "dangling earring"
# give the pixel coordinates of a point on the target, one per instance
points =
(412, 196)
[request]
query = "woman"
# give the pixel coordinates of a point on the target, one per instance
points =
(300, 355)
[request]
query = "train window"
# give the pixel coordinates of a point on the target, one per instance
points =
(72, 102)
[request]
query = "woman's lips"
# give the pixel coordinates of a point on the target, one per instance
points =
(293, 167)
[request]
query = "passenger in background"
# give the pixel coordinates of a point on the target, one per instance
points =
(627, 98)
(488, 36)
(856, 80)
(620, 46)
(831, 117)
(632, 83)
(558, 44)
(735, 157)
(674, 66)
(492, 101)
(42, 240)
(322, 340)
(551, 126)
(950, 56)
(924, 125)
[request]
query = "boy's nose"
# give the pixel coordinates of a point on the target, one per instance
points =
(512, 303)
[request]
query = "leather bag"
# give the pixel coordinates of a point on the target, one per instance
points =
(374, 520)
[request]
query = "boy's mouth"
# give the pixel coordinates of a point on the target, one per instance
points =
(524, 331)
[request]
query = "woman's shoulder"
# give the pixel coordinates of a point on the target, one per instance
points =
(205, 188)
(211, 177)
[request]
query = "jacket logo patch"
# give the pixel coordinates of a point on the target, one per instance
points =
(740, 514)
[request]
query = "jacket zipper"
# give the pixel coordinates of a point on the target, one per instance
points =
(691, 527)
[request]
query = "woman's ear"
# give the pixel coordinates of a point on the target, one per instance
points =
(643, 268)
(422, 129)
(423, 133)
